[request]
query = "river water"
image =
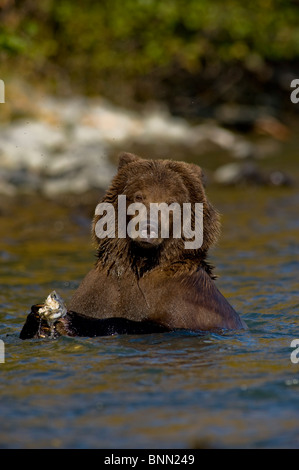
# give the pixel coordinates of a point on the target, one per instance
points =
(173, 390)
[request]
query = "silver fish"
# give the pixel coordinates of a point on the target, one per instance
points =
(53, 308)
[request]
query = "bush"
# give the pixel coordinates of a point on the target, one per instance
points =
(91, 43)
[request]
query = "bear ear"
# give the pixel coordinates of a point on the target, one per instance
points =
(124, 158)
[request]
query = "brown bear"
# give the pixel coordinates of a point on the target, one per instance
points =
(149, 283)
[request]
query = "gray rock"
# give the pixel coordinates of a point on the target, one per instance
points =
(238, 173)
(250, 173)
(29, 144)
(67, 148)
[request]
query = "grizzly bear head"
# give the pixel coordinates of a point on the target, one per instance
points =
(124, 226)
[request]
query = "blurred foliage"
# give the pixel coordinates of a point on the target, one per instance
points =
(91, 43)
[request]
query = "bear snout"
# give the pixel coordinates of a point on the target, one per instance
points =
(149, 229)
(148, 235)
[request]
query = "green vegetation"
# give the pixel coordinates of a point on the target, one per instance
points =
(94, 43)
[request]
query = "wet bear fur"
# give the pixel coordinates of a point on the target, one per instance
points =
(164, 282)
(142, 286)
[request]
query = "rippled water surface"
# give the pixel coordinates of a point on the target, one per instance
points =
(174, 390)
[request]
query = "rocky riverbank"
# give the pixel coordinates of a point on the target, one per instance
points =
(70, 146)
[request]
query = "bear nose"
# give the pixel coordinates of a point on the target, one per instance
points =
(149, 229)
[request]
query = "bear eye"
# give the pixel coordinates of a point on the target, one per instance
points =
(138, 197)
